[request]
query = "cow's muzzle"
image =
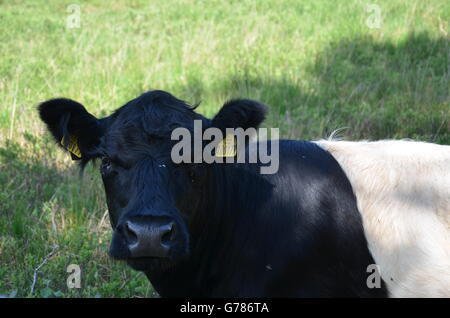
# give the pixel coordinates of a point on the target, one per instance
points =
(148, 239)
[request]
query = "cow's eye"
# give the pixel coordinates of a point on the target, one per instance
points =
(106, 166)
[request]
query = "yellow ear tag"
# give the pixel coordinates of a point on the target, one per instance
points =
(227, 147)
(72, 146)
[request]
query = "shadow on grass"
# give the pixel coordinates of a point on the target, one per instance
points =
(36, 184)
(26, 181)
(378, 89)
(43, 205)
(391, 89)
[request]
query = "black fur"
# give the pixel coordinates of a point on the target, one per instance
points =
(296, 233)
(242, 113)
(65, 117)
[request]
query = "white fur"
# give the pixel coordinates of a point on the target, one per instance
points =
(403, 193)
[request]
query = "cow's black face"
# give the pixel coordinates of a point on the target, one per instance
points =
(145, 190)
(150, 198)
(142, 201)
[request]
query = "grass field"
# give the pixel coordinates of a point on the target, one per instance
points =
(316, 63)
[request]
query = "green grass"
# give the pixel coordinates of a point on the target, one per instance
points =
(316, 63)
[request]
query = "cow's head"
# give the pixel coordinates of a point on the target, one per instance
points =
(150, 198)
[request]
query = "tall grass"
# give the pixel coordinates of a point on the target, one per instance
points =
(316, 63)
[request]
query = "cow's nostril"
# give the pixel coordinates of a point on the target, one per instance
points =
(167, 233)
(148, 239)
(130, 234)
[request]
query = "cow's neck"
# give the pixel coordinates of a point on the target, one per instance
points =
(213, 243)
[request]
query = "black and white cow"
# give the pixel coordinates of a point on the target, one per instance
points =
(219, 229)
(403, 193)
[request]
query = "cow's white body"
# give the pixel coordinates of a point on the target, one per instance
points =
(403, 193)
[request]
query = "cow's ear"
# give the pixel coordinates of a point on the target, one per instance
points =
(72, 126)
(243, 113)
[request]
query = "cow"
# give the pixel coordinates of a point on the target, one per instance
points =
(403, 193)
(219, 229)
